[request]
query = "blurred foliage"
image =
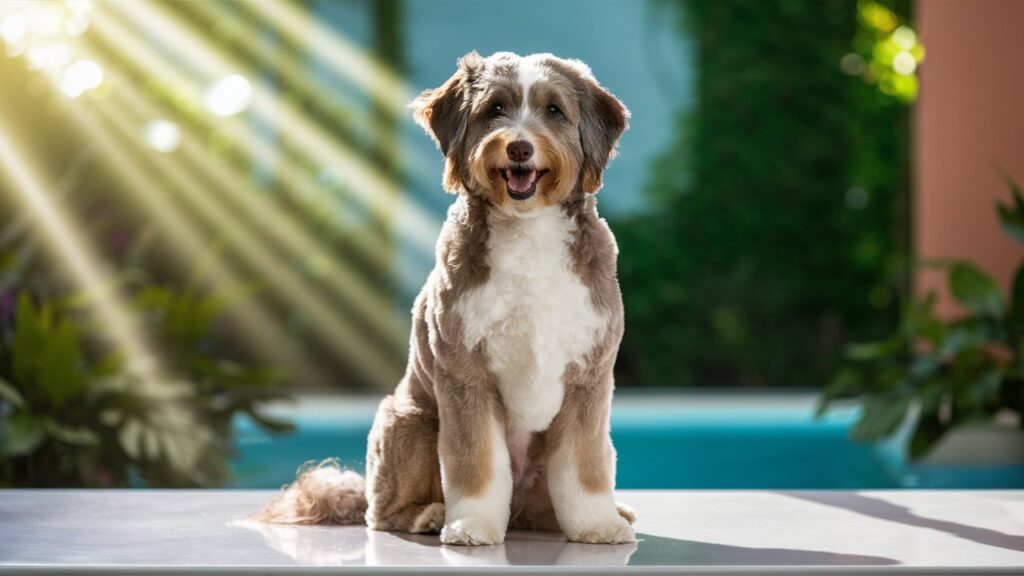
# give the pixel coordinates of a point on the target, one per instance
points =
(886, 52)
(75, 412)
(779, 221)
(943, 373)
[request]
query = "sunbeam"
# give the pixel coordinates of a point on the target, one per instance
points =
(258, 328)
(182, 95)
(378, 192)
(69, 245)
(367, 303)
(326, 320)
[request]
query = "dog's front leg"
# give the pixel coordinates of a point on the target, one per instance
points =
(476, 474)
(581, 471)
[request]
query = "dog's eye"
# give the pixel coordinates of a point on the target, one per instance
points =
(555, 111)
(497, 108)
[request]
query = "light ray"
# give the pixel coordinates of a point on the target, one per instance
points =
(367, 302)
(344, 58)
(252, 39)
(325, 320)
(293, 76)
(375, 190)
(110, 29)
(89, 273)
(257, 326)
(278, 227)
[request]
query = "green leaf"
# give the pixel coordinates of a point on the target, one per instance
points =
(924, 367)
(975, 290)
(959, 339)
(1017, 292)
(986, 386)
(1012, 222)
(1012, 217)
(846, 384)
(873, 350)
(9, 393)
(272, 424)
(59, 372)
(7, 260)
(880, 417)
(27, 341)
(23, 435)
(69, 435)
(1018, 195)
(931, 394)
(927, 432)
(130, 438)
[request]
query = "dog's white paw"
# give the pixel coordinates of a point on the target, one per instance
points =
(611, 531)
(471, 532)
(430, 520)
(627, 512)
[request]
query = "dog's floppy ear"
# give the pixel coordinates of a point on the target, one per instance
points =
(603, 118)
(444, 113)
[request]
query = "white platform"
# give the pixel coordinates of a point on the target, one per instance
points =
(694, 532)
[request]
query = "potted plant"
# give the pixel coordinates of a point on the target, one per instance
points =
(935, 375)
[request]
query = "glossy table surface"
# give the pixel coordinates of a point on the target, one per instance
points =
(197, 532)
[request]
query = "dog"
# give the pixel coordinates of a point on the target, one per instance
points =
(502, 417)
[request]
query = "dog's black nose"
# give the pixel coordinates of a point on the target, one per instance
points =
(519, 151)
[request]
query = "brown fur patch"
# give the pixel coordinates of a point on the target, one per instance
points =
(603, 119)
(444, 382)
(444, 113)
(466, 392)
(594, 254)
(401, 445)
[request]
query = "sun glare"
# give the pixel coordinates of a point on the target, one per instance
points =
(228, 96)
(69, 246)
(81, 76)
(162, 135)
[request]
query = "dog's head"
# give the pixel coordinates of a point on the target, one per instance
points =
(524, 131)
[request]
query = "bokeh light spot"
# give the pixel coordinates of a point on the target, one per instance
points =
(58, 56)
(904, 37)
(880, 297)
(856, 197)
(904, 63)
(162, 135)
(13, 28)
(81, 76)
(852, 64)
(228, 96)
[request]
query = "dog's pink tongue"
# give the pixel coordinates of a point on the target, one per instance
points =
(521, 182)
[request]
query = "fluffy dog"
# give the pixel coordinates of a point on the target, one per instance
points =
(501, 418)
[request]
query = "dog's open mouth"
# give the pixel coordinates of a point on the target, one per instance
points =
(521, 180)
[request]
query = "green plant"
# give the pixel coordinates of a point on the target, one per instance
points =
(941, 372)
(76, 412)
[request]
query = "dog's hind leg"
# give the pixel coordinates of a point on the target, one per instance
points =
(403, 475)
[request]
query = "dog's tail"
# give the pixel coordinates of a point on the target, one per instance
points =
(322, 493)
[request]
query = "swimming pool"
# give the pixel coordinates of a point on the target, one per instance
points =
(691, 440)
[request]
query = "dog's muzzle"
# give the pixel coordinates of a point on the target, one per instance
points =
(521, 180)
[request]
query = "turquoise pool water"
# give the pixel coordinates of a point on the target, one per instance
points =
(700, 441)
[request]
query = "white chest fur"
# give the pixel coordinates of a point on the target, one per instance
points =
(533, 314)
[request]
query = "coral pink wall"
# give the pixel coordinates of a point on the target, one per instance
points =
(969, 118)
